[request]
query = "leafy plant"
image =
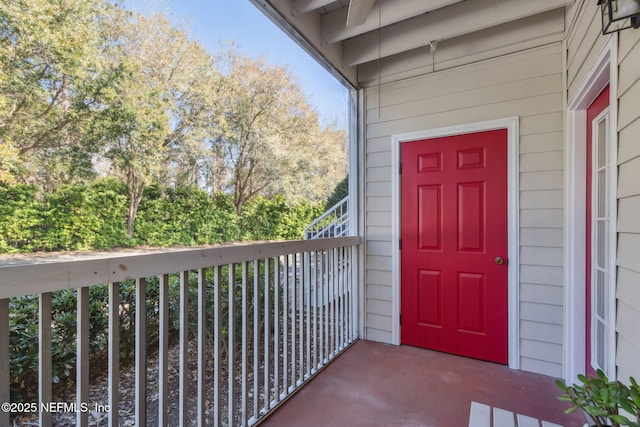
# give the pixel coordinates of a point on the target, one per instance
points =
(634, 401)
(340, 192)
(601, 399)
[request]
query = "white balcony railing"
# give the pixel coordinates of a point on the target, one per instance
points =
(333, 223)
(254, 322)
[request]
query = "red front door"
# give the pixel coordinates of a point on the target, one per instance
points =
(454, 245)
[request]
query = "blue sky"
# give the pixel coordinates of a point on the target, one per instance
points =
(212, 21)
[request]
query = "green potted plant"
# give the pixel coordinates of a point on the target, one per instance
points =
(601, 400)
(634, 402)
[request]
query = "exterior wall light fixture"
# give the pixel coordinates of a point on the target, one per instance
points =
(619, 15)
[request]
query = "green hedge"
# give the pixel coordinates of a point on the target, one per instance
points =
(82, 217)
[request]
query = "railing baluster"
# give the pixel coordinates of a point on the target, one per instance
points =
(114, 354)
(340, 301)
(329, 314)
(342, 304)
(336, 285)
(45, 385)
(301, 322)
(202, 334)
(341, 298)
(347, 311)
(314, 307)
(141, 352)
(217, 331)
(335, 300)
(4, 359)
(184, 349)
(256, 339)
(350, 293)
(294, 320)
(276, 328)
(285, 327)
(163, 359)
(82, 356)
(267, 319)
(231, 357)
(307, 310)
(321, 291)
(245, 359)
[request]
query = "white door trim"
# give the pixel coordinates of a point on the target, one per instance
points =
(513, 138)
(602, 73)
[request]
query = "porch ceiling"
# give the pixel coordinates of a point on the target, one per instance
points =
(348, 35)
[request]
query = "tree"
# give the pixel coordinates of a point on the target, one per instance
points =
(340, 192)
(54, 72)
(8, 163)
(270, 135)
(87, 87)
(317, 161)
(158, 118)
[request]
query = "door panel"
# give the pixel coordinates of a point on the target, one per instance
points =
(454, 224)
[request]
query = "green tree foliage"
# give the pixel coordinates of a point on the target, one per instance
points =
(20, 218)
(160, 114)
(81, 217)
(186, 216)
(75, 217)
(276, 219)
(270, 136)
(54, 73)
(340, 192)
(86, 88)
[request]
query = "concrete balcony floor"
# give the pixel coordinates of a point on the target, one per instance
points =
(373, 384)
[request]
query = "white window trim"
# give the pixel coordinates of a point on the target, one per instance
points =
(513, 143)
(605, 116)
(601, 74)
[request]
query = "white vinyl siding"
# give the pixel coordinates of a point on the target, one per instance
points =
(584, 44)
(527, 84)
(584, 41)
(628, 289)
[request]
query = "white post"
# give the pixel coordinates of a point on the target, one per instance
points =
(44, 359)
(114, 354)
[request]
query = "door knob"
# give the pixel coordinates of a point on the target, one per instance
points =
(499, 260)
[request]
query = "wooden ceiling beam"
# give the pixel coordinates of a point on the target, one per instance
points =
(358, 12)
(386, 12)
(442, 24)
(305, 6)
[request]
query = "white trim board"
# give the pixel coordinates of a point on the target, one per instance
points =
(513, 137)
(602, 73)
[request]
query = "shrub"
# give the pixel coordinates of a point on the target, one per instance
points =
(275, 219)
(20, 218)
(185, 216)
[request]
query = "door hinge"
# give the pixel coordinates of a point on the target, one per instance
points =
(401, 319)
(400, 168)
(400, 244)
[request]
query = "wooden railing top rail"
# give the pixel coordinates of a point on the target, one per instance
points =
(25, 275)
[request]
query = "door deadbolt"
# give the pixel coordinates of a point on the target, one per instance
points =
(499, 260)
